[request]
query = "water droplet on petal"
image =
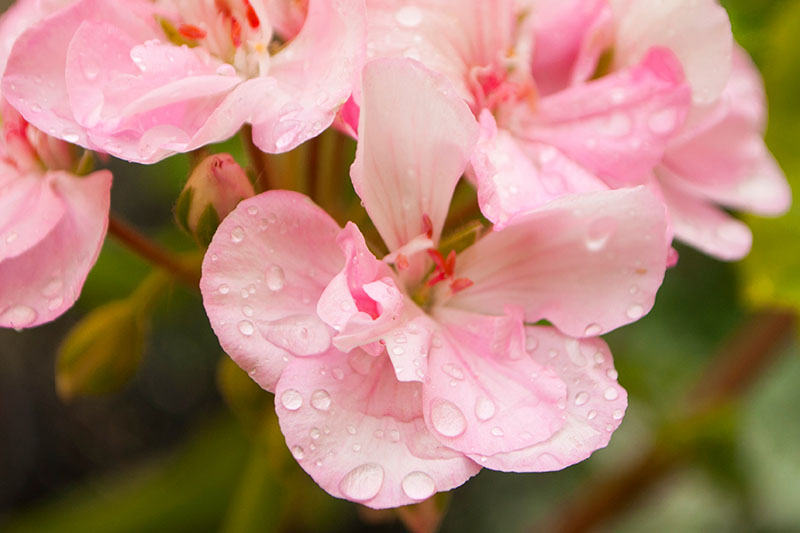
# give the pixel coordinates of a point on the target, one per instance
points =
(276, 279)
(298, 453)
(591, 415)
(351, 430)
(611, 394)
(635, 312)
(292, 399)
(338, 374)
(612, 374)
(453, 371)
(246, 327)
(224, 289)
(247, 311)
(418, 486)
(600, 231)
(484, 408)
(581, 398)
(54, 303)
(314, 433)
(592, 330)
(321, 400)
(19, 316)
(362, 483)
(617, 415)
(447, 418)
(237, 234)
(497, 431)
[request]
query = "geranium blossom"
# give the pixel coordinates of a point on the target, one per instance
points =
(395, 379)
(143, 80)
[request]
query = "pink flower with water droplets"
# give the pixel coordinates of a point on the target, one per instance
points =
(401, 377)
(143, 80)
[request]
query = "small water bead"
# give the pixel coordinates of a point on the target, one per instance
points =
(237, 235)
(531, 343)
(600, 231)
(351, 430)
(398, 350)
(362, 483)
(635, 312)
(356, 447)
(497, 431)
(298, 453)
(418, 486)
(599, 358)
(314, 433)
(247, 311)
(591, 415)
(292, 399)
(12, 237)
(484, 409)
(246, 328)
(612, 374)
(321, 400)
(338, 374)
(71, 137)
(581, 399)
(611, 394)
(453, 371)
(617, 415)
(55, 303)
(379, 433)
(19, 316)
(592, 330)
(447, 418)
(276, 279)
(394, 435)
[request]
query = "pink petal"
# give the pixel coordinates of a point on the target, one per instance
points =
(40, 284)
(360, 433)
(415, 139)
(722, 156)
(698, 31)
(482, 394)
(315, 75)
(264, 271)
(588, 263)
(569, 38)
(450, 37)
(514, 177)
(38, 89)
(287, 17)
(706, 227)
(595, 403)
(30, 208)
(617, 126)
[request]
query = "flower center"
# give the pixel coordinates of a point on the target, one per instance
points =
(236, 32)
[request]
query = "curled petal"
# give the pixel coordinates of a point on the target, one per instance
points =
(360, 433)
(588, 263)
(264, 271)
(594, 406)
(44, 281)
(30, 207)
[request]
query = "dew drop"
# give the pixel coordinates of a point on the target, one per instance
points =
(447, 418)
(592, 330)
(70, 137)
(611, 394)
(298, 453)
(497, 431)
(394, 435)
(314, 433)
(356, 447)
(19, 316)
(453, 371)
(581, 399)
(246, 328)
(484, 408)
(55, 303)
(362, 483)
(292, 399)
(617, 415)
(612, 374)
(338, 374)
(276, 279)
(591, 415)
(351, 430)
(247, 311)
(12, 237)
(635, 312)
(252, 210)
(600, 231)
(398, 350)
(418, 486)
(321, 400)
(237, 235)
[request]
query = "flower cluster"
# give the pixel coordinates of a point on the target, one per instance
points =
(593, 132)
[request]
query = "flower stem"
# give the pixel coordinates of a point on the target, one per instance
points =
(153, 253)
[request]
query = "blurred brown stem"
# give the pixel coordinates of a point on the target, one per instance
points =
(257, 159)
(153, 253)
(738, 364)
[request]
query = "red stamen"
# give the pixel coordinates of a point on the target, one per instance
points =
(223, 7)
(402, 262)
(192, 32)
(460, 284)
(450, 264)
(436, 279)
(236, 32)
(438, 260)
(427, 226)
(252, 17)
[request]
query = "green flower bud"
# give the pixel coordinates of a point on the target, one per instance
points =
(212, 191)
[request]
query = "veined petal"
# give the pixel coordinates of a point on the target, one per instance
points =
(698, 31)
(705, 226)
(40, 284)
(415, 139)
(514, 176)
(588, 263)
(315, 75)
(482, 394)
(264, 271)
(618, 126)
(594, 406)
(360, 433)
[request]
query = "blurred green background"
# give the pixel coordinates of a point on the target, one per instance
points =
(169, 452)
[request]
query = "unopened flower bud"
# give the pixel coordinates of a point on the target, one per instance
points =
(212, 191)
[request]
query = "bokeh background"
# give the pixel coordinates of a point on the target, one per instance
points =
(185, 446)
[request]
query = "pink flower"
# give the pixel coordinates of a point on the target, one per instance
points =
(395, 379)
(52, 224)
(143, 80)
